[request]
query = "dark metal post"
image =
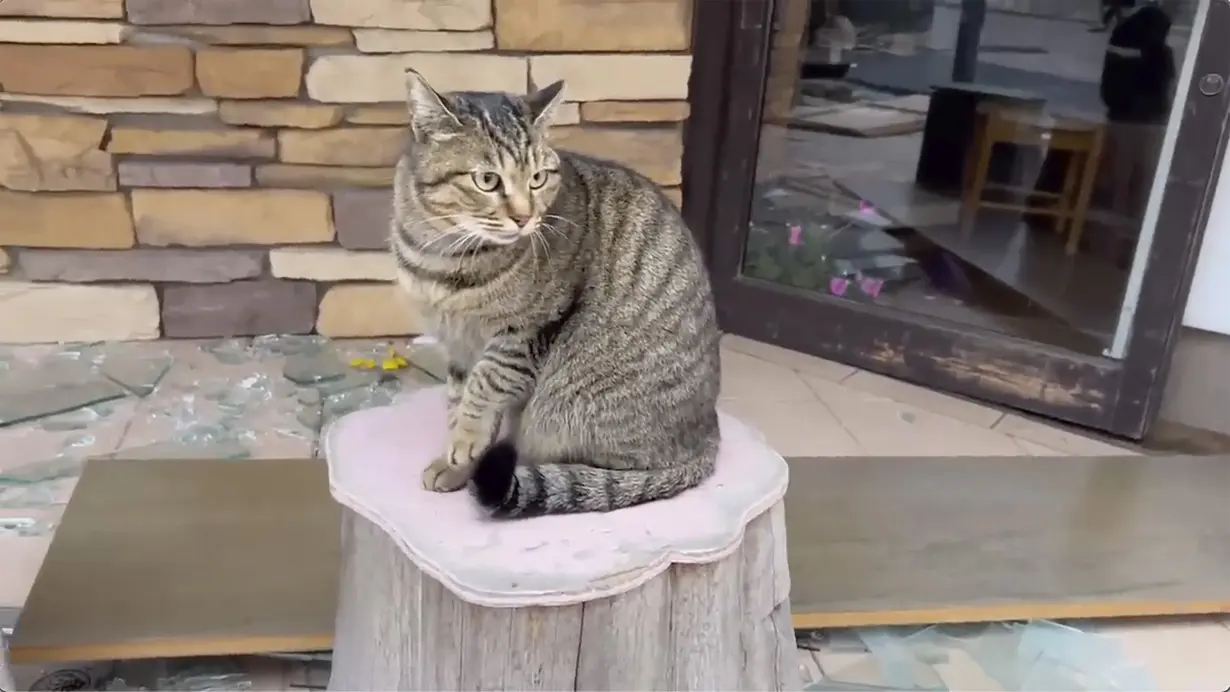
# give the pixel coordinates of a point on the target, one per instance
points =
(969, 35)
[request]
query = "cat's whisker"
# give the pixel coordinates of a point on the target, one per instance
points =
(552, 229)
(546, 248)
(557, 217)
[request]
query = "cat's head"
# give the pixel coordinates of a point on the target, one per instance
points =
(480, 164)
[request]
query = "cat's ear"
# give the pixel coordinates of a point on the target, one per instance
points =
(544, 102)
(430, 115)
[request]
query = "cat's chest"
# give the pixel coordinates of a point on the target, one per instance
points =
(425, 293)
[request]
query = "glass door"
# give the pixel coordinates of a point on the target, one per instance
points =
(957, 194)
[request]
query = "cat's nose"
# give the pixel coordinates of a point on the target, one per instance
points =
(522, 220)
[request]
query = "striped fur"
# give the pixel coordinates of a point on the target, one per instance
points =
(583, 347)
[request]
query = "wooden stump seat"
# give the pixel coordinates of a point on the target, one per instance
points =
(690, 593)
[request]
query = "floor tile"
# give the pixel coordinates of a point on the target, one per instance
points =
(883, 427)
(1181, 655)
(794, 360)
(1034, 449)
(795, 428)
(1057, 438)
(923, 398)
(748, 377)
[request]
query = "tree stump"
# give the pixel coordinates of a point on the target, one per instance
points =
(690, 593)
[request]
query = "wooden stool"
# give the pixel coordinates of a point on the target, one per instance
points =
(1081, 139)
(690, 593)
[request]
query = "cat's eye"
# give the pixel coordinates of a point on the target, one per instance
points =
(539, 179)
(486, 180)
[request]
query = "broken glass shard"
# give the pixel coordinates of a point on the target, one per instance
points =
(430, 358)
(138, 375)
(304, 368)
(227, 351)
(35, 396)
(42, 471)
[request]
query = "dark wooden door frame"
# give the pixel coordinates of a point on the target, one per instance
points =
(730, 56)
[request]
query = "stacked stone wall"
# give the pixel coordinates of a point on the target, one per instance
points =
(209, 168)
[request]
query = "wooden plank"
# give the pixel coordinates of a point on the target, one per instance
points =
(164, 558)
(879, 541)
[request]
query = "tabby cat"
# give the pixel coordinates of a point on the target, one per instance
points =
(573, 305)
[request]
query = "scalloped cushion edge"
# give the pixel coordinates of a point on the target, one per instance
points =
(596, 590)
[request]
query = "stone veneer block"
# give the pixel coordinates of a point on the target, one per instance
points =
(346, 146)
(35, 31)
(56, 313)
(615, 77)
(561, 26)
(381, 78)
(96, 70)
(675, 195)
(157, 141)
(142, 264)
(218, 12)
(75, 9)
(307, 116)
(634, 111)
(367, 310)
(294, 176)
(53, 153)
(240, 308)
(362, 218)
(567, 114)
(80, 220)
(404, 41)
(198, 218)
(100, 106)
(255, 35)
(5, 261)
(249, 73)
(428, 15)
(654, 153)
(184, 174)
(383, 114)
(332, 264)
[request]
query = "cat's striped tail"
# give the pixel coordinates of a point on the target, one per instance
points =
(511, 489)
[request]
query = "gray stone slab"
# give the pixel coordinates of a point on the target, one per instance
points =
(240, 308)
(361, 218)
(141, 264)
(180, 174)
(218, 12)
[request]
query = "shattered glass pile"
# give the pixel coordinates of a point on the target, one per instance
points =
(1037, 656)
(236, 398)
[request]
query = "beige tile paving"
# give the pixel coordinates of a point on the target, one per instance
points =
(799, 362)
(929, 399)
(884, 427)
(751, 378)
(1056, 437)
(802, 428)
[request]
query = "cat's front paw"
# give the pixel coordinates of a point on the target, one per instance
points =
(441, 476)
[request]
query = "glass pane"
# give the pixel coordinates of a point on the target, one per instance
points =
(986, 163)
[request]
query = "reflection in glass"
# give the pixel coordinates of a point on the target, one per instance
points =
(983, 165)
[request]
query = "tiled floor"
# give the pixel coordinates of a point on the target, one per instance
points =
(219, 394)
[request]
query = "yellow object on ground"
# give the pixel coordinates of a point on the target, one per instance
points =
(392, 361)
